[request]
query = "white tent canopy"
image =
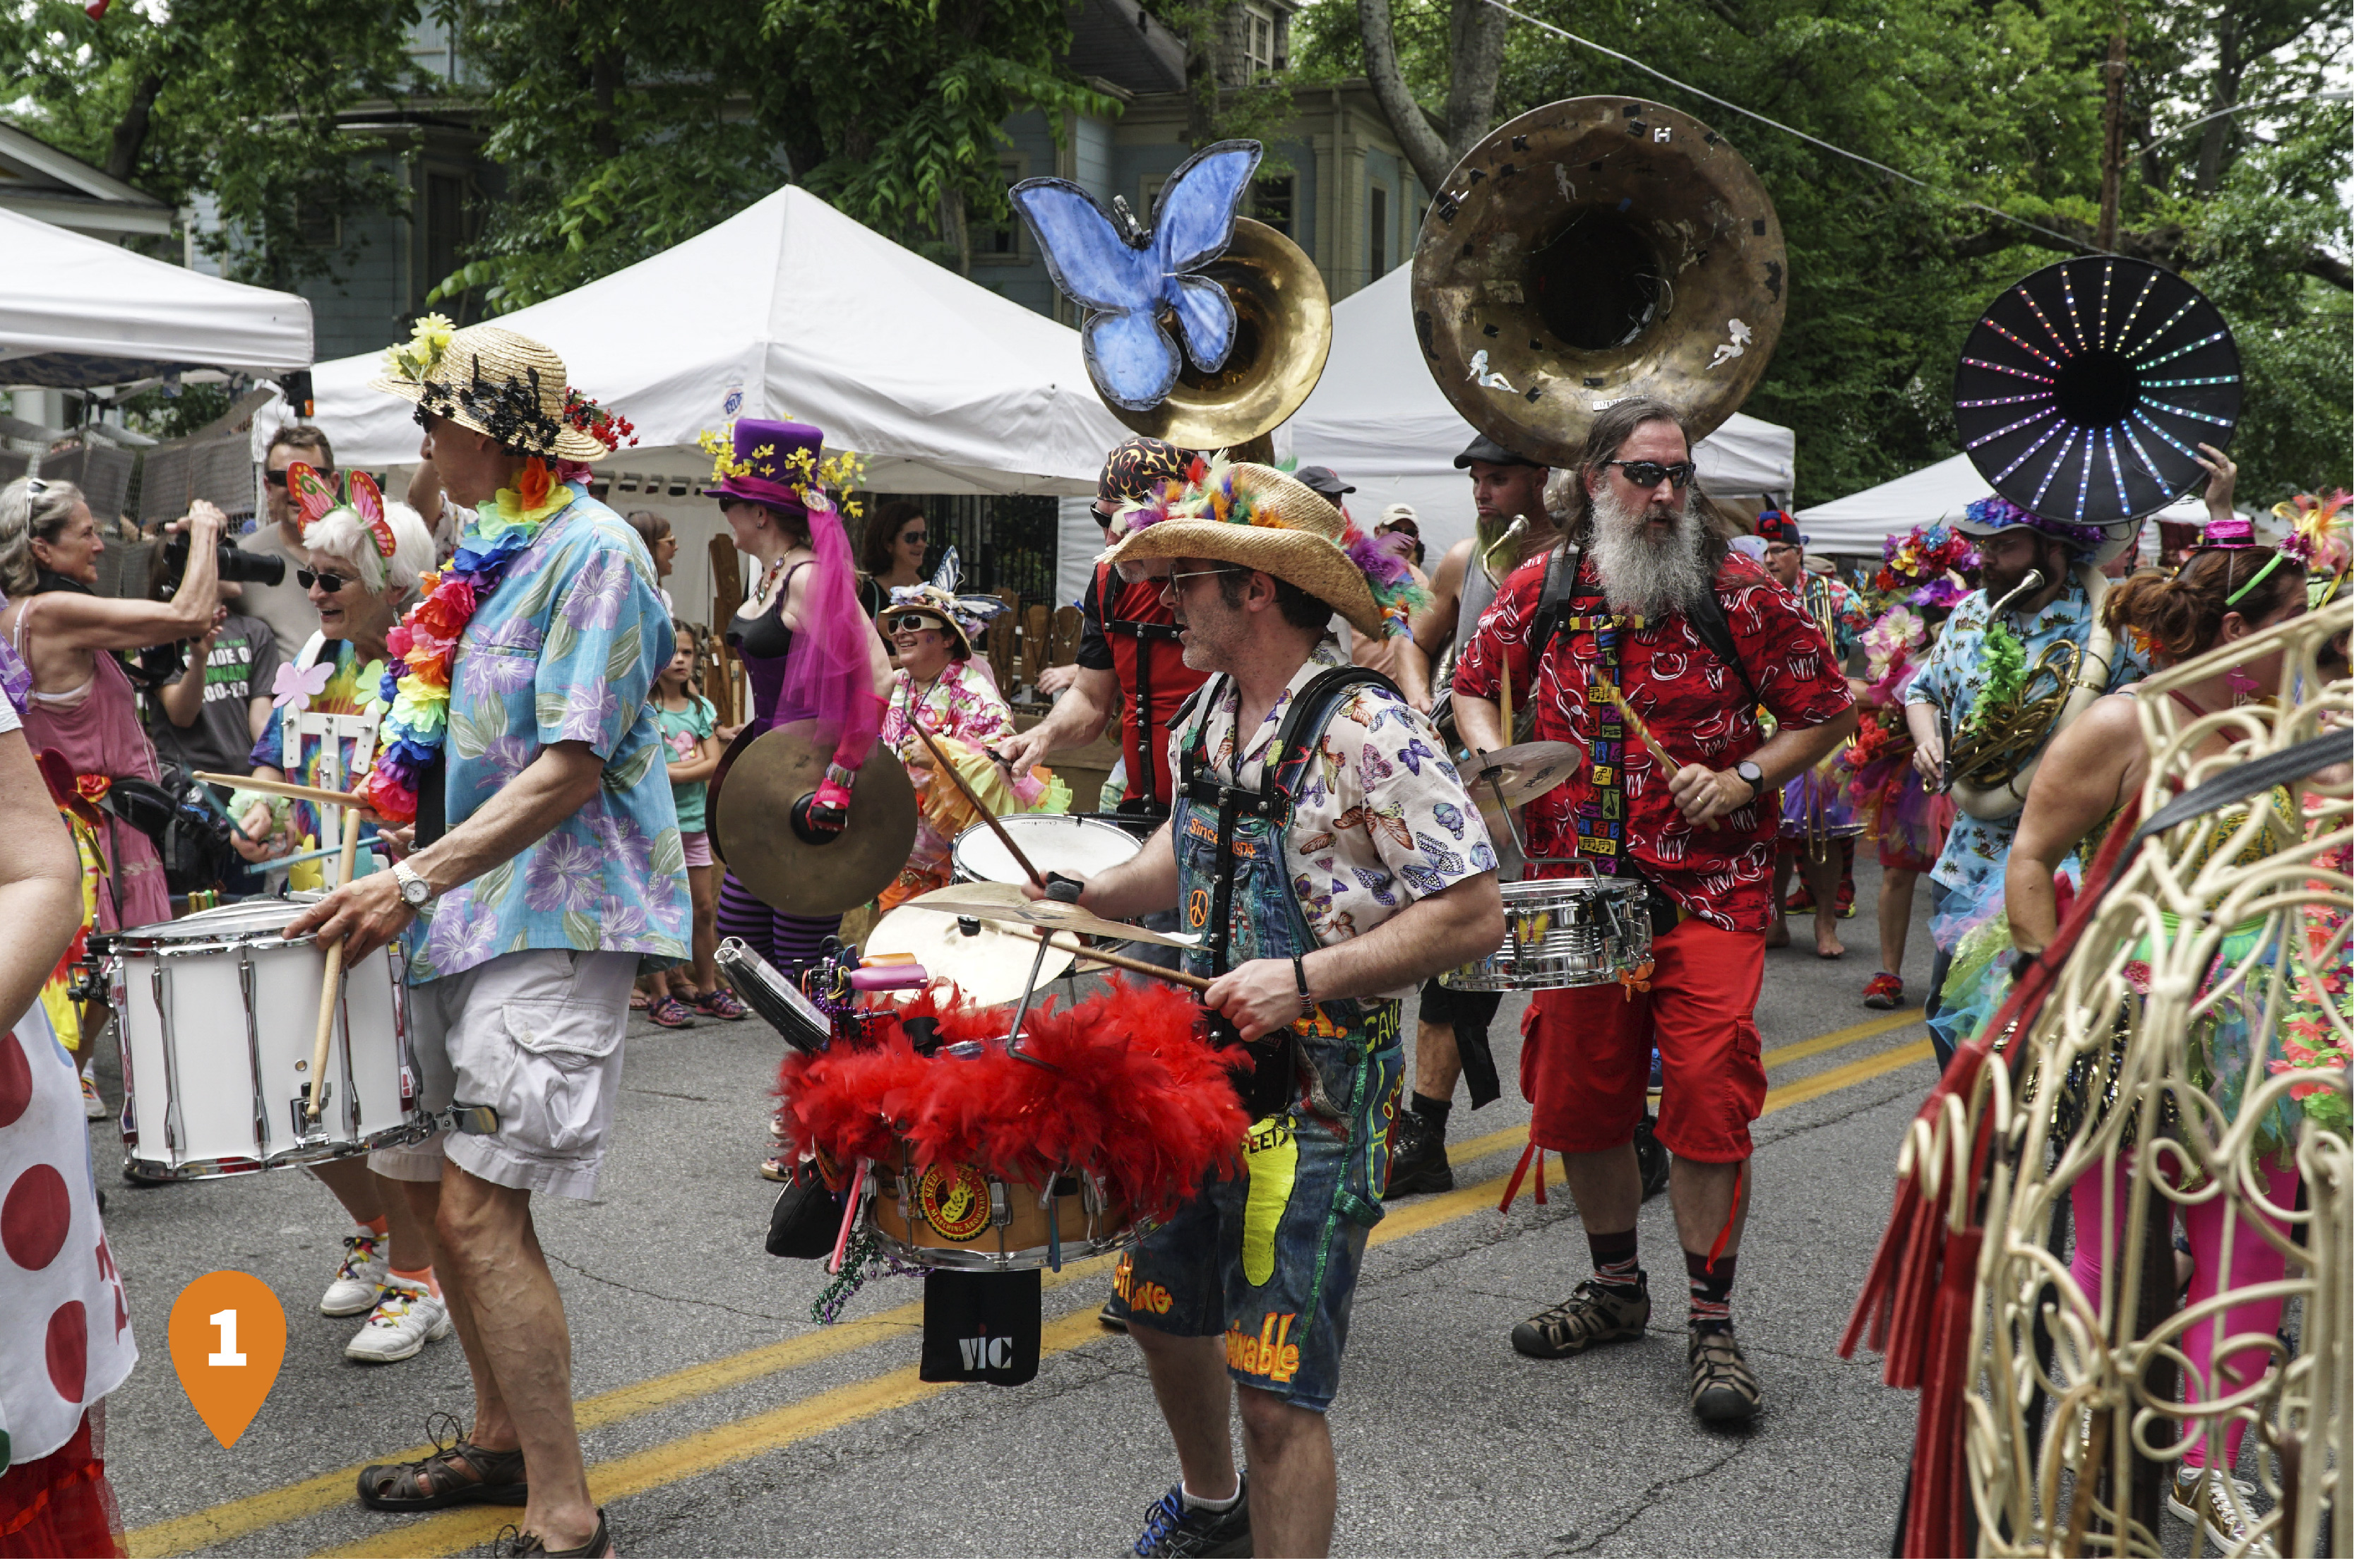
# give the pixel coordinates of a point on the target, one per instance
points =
(1855, 525)
(1379, 421)
(790, 310)
(77, 312)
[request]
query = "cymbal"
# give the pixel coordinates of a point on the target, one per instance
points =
(759, 782)
(1528, 770)
(971, 899)
(988, 967)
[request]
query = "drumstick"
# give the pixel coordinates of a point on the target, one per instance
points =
(295, 792)
(986, 814)
(344, 867)
(1635, 721)
(1120, 961)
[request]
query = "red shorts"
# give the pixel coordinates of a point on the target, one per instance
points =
(1586, 1055)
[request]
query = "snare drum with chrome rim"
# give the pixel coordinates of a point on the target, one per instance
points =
(218, 1015)
(1053, 843)
(1563, 932)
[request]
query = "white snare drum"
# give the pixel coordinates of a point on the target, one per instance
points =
(1053, 843)
(217, 1014)
(1569, 931)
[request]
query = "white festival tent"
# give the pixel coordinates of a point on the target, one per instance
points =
(1380, 421)
(1856, 524)
(77, 313)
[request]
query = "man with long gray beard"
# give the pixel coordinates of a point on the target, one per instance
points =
(1641, 597)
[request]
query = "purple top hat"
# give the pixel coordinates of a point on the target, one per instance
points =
(774, 462)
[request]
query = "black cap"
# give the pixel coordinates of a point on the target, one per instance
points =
(1325, 482)
(1485, 451)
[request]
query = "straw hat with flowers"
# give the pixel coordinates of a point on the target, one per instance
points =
(1263, 518)
(489, 379)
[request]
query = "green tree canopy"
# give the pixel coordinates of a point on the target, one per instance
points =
(1991, 102)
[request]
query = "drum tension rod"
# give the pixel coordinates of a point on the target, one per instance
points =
(1062, 890)
(1492, 775)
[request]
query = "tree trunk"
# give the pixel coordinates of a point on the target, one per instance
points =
(2215, 136)
(956, 234)
(130, 131)
(605, 85)
(1423, 148)
(1475, 44)
(1203, 100)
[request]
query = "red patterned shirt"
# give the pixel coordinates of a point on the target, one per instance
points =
(1698, 707)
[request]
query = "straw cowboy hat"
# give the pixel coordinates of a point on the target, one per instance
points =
(490, 380)
(1263, 518)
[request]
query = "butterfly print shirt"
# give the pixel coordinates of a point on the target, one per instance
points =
(1698, 707)
(1380, 819)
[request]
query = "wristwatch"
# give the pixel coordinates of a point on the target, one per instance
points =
(415, 891)
(1749, 773)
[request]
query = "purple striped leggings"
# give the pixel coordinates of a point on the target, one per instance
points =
(790, 942)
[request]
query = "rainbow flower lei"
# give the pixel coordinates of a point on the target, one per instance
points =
(424, 646)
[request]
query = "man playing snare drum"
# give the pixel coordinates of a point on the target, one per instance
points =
(1697, 640)
(1328, 859)
(523, 679)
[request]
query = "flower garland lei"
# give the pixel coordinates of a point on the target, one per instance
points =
(416, 687)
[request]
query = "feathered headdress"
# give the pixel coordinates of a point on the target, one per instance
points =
(2320, 538)
(964, 616)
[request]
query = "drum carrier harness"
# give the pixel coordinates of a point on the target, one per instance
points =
(1279, 1062)
(1146, 633)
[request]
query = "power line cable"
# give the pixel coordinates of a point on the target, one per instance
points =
(2073, 242)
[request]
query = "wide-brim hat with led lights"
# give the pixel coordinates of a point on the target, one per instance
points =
(2098, 542)
(1263, 518)
(500, 383)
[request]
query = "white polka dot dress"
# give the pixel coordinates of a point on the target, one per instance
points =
(68, 1342)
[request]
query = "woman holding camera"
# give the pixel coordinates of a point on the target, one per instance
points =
(82, 704)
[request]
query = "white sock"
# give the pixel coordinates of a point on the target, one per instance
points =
(1211, 1505)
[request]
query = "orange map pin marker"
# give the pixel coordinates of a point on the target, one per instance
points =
(228, 1338)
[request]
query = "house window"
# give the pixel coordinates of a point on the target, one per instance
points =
(1378, 220)
(1259, 40)
(1003, 242)
(320, 226)
(1271, 203)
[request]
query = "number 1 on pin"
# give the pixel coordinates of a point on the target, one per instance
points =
(228, 1355)
(228, 1337)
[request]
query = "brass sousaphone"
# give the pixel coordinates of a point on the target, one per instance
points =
(1591, 251)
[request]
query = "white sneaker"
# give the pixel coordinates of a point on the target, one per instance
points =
(93, 1108)
(361, 1278)
(405, 1318)
(2224, 1505)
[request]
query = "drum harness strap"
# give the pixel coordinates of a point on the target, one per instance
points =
(1272, 1066)
(1145, 632)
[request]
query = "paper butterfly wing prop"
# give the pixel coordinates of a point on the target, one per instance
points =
(1131, 359)
(294, 687)
(951, 571)
(369, 501)
(313, 497)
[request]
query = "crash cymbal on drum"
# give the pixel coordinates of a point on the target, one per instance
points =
(1528, 770)
(994, 892)
(759, 799)
(1046, 913)
(988, 967)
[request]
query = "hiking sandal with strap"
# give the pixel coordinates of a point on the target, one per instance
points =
(1723, 1389)
(417, 1486)
(513, 1542)
(1594, 1314)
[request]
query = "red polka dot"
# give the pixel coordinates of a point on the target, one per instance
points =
(69, 1349)
(16, 1079)
(35, 1218)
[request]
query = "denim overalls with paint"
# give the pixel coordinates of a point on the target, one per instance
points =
(1268, 1258)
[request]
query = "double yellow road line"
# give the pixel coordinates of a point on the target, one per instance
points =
(666, 1464)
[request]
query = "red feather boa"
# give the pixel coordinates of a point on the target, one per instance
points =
(1136, 1096)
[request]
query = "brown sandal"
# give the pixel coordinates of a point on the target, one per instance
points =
(415, 1486)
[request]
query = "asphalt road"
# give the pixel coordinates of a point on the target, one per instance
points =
(719, 1421)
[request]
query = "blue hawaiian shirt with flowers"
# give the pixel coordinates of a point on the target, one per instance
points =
(567, 649)
(1977, 851)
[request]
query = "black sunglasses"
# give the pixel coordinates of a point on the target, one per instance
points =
(329, 582)
(1648, 475)
(911, 623)
(912, 538)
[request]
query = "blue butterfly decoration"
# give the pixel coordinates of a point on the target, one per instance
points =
(1126, 279)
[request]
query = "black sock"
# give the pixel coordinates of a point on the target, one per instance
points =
(1712, 1290)
(1614, 1259)
(1432, 1111)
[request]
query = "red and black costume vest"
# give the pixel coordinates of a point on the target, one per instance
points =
(1153, 683)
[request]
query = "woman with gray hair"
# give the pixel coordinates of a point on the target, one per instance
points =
(361, 573)
(82, 705)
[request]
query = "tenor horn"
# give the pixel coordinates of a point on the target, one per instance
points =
(1591, 251)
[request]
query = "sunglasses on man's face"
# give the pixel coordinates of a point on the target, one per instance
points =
(911, 624)
(329, 582)
(1648, 475)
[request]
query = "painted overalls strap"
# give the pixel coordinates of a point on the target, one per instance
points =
(1234, 888)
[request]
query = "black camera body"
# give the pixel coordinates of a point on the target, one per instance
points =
(236, 566)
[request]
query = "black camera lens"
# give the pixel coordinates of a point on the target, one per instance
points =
(246, 567)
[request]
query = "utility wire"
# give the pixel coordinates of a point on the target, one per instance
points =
(2073, 242)
(2244, 108)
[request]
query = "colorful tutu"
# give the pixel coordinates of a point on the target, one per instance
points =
(1815, 804)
